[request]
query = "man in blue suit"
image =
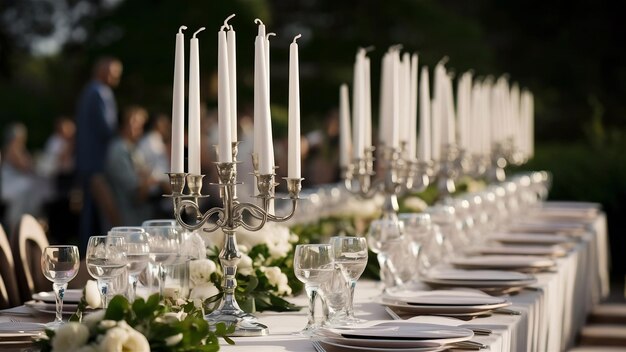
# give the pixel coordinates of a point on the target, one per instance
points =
(96, 122)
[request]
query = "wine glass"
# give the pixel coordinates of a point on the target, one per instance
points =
(350, 255)
(385, 237)
(313, 265)
(106, 260)
(60, 265)
(137, 254)
(164, 242)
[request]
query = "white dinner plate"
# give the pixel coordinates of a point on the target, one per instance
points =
(43, 307)
(440, 273)
(530, 238)
(441, 297)
(332, 346)
(20, 331)
(396, 335)
(551, 251)
(504, 262)
(445, 310)
(71, 296)
(547, 226)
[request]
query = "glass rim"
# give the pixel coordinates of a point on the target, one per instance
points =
(61, 246)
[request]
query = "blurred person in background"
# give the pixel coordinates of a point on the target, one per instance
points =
(58, 161)
(21, 190)
(321, 165)
(127, 174)
(96, 122)
(154, 148)
(58, 154)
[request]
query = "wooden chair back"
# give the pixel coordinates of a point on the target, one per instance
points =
(9, 294)
(28, 243)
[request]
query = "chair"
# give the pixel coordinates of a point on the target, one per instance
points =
(28, 242)
(9, 294)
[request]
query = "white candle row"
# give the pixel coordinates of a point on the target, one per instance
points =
(482, 114)
(227, 103)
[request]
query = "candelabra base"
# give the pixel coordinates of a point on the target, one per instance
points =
(245, 324)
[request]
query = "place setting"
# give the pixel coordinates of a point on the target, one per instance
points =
(495, 282)
(450, 303)
(521, 263)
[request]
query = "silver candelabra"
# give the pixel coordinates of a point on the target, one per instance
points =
(399, 175)
(230, 216)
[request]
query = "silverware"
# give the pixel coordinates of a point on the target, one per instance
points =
(506, 311)
(318, 347)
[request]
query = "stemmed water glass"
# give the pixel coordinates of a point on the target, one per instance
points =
(60, 265)
(313, 264)
(385, 238)
(350, 255)
(137, 254)
(106, 260)
(164, 243)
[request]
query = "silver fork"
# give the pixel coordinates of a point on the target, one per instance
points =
(318, 347)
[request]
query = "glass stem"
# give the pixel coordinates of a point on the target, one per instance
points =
(311, 291)
(161, 280)
(59, 292)
(104, 290)
(350, 308)
(132, 292)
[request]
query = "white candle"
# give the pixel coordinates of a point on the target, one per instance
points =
(193, 162)
(385, 92)
(367, 102)
(450, 112)
(294, 112)
(404, 82)
(395, 102)
(232, 76)
(344, 127)
(515, 116)
(357, 108)
(266, 50)
(258, 99)
(531, 125)
(425, 117)
(437, 113)
(413, 108)
(225, 151)
(178, 105)
(263, 124)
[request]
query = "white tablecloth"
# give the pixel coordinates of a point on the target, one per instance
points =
(552, 310)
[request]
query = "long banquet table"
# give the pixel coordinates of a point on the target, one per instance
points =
(551, 311)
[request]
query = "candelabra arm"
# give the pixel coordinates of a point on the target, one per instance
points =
(200, 220)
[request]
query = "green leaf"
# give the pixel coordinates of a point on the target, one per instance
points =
(117, 309)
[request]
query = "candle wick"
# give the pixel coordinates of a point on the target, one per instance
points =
(181, 29)
(226, 21)
(296, 38)
(198, 31)
(267, 36)
(259, 22)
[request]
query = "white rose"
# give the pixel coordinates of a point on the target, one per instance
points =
(278, 279)
(173, 340)
(415, 204)
(174, 316)
(70, 337)
(135, 341)
(203, 292)
(193, 246)
(92, 294)
(107, 324)
(92, 320)
(249, 239)
(200, 272)
(278, 240)
(113, 340)
(245, 265)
